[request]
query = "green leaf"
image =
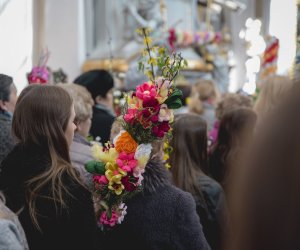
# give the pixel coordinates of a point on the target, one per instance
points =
(175, 104)
(174, 96)
(95, 167)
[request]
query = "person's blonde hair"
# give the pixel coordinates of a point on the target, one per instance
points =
(273, 89)
(83, 101)
(202, 91)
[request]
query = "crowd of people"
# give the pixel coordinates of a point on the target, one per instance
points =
(232, 184)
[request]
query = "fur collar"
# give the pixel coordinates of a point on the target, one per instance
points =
(156, 175)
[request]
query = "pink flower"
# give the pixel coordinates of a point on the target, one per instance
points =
(146, 91)
(104, 220)
(126, 161)
(137, 172)
(130, 115)
(101, 179)
(165, 114)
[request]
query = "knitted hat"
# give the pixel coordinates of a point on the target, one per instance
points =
(98, 82)
(5, 82)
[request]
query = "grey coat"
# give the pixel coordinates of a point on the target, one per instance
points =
(12, 236)
(6, 140)
(81, 153)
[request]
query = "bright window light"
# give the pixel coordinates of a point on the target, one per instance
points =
(283, 24)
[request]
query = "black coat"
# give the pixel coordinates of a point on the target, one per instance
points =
(101, 123)
(73, 227)
(161, 217)
(211, 208)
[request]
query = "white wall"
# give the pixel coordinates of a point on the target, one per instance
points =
(65, 36)
(16, 40)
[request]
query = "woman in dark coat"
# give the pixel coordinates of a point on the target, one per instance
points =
(55, 209)
(189, 167)
(160, 217)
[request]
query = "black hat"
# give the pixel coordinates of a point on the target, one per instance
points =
(97, 82)
(5, 82)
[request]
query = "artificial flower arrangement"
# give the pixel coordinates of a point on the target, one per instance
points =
(40, 74)
(181, 39)
(119, 166)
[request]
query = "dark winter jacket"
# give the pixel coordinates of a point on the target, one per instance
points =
(160, 217)
(71, 227)
(6, 140)
(102, 121)
(211, 208)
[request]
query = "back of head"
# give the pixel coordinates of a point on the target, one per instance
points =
(272, 91)
(202, 91)
(82, 99)
(40, 120)
(267, 200)
(50, 109)
(97, 82)
(233, 124)
(236, 129)
(189, 157)
(5, 83)
(232, 101)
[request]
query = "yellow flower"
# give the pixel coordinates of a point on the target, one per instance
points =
(109, 155)
(161, 51)
(167, 165)
(147, 40)
(152, 61)
(114, 175)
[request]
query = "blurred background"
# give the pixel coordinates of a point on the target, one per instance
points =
(233, 42)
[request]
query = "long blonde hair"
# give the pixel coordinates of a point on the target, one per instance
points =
(50, 109)
(273, 89)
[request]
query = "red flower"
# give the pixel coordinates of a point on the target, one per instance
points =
(161, 129)
(128, 184)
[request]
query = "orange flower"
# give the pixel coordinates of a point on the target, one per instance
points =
(125, 143)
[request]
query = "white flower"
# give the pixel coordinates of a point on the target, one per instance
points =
(142, 154)
(123, 210)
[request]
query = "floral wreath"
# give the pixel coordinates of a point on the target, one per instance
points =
(119, 166)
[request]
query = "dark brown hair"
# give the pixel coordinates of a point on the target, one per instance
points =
(267, 194)
(229, 143)
(189, 157)
(41, 118)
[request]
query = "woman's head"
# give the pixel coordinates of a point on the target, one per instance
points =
(83, 105)
(235, 131)
(8, 93)
(231, 102)
(202, 91)
(189, 157)
(51, 108)
(273, 89)
(100, 84)
(44, 118)
(266, 198)
(236, 126)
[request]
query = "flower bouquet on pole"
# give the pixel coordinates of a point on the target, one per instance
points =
(147, 115)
